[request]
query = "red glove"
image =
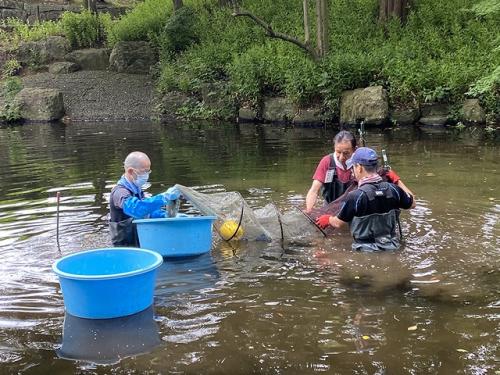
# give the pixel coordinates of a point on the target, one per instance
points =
(392, 177)
(323, 221)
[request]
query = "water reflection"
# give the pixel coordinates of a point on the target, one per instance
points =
(298, 307)
(106, 341)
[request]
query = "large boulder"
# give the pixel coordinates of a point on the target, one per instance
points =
(90, 58)
(132, 57)
(472, 112)
(42, 52)
(278, 109)
(307, 116)
(247, 114)
(405, 116)
(168, 106)
(63, 67)
(36, 104)
(434, 114)
(369, 104)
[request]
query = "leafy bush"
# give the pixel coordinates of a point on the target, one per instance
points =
(22, 32)
(85, 29)
(10, 68)
(10, 111)
(144, 22)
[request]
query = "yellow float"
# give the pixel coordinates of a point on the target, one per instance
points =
(229, 230)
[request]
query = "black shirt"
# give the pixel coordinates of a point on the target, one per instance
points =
(358, 204)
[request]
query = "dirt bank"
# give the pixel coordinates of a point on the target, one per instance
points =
(100, 95)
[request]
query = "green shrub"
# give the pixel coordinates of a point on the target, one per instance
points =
(10, 111)
(144, 22)
(10, 68)
(23, 32)
(85, 29)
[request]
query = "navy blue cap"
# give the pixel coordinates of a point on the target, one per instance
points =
(365, 156)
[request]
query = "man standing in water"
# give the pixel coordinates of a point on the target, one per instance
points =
(128, 202)
(372, 210)
(333, 175)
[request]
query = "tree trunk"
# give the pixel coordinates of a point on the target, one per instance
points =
(393, 8)
(178, 4)
(321, 27)
(92, 6)
(307, 30)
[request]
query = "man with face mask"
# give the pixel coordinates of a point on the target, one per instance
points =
(128, 202)
(372, 210)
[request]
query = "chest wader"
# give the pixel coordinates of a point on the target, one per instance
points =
(376, 232)
(333, 189)
(123, 230)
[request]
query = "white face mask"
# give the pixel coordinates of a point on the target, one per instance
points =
(141, 179)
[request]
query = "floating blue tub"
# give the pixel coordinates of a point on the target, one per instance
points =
(176, 236)
(108, 283)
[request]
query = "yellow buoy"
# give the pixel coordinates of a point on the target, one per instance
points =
(229, 230)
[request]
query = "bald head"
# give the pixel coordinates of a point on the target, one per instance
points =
(136, 160)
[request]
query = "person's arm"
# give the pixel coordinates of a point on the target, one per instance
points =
(312, 195)
(139, 209)
(396, 180)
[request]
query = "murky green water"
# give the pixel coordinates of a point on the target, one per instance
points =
(256, 307)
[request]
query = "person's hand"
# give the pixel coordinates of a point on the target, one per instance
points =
(171, 194)
(392, 177)
(323, 221)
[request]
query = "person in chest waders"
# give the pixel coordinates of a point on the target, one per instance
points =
(128, 202)
(372, 210)
(333, 175)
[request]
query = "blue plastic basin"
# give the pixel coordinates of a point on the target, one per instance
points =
(176, 236)
(107, 283)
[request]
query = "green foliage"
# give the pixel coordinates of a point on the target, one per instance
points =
(10, 68)
(22, 32)
(446, 51)
(144, 22)
(85, 29)
(179, 32)
(10, 111)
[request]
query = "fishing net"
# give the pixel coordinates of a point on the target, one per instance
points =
(237, 220)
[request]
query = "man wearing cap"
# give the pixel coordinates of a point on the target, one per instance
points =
(372, 210)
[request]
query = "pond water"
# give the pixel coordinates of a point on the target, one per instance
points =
(433, 307)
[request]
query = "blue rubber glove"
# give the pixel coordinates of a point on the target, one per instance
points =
(172, 194)
(139, 209)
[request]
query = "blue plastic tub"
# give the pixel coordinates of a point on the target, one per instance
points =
(108, 283)
(176, 236)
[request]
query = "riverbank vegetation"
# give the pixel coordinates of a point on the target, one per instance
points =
(443, 51)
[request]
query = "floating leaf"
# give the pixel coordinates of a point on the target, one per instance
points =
(412, 328)
(462, 351)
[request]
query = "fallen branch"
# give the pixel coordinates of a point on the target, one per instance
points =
(275, 34)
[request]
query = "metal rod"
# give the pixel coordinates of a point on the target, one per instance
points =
(58, 200)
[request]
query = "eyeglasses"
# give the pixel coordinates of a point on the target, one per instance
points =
(141, 171)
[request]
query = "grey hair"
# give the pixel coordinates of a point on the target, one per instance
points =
(135, 159)
(345, 136)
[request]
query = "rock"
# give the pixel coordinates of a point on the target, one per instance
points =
(309, 116)
(90, 58)
(63, 67)
(37, 104)
(369, 104)
(132, 57)
(278, 110)
(169, 104)
(405, 116)
(246, 114)
(42, 52)
(434, 114)
(472, 112)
